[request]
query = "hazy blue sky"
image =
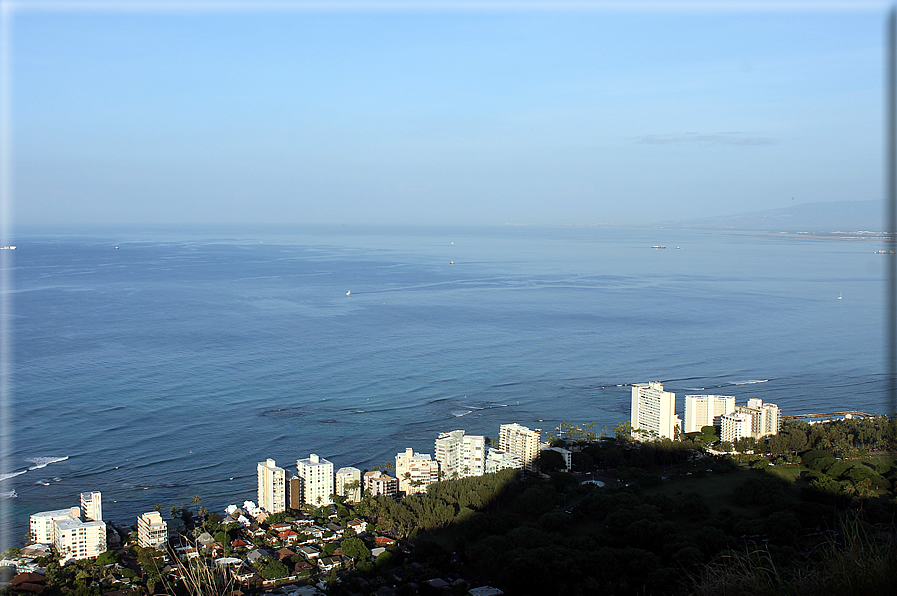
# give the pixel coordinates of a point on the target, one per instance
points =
(452, 116)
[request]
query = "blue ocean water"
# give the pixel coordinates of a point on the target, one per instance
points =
(168, 367)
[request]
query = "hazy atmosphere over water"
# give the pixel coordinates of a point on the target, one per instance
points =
(385, 144)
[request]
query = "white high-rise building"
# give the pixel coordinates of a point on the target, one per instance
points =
(706, 410)
(415, 471)
(460, 455)
(76, 539)
(735, 426)
(272, 487)
(92, 506)
(765, 418)
(520, 441)
(73, 538)
(348, 484)
(315, 480)
(152, 531)
(653, 412)
(497, 460)
(43, 524)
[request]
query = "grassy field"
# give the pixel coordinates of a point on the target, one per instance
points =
(789, 472)
(716, 489)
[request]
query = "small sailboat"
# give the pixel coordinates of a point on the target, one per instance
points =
(349, 293)
(839, 295)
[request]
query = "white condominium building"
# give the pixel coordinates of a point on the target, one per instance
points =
(735, 426)
(653, 412)
(272, 487)
(765, 418)
(348, 484)
(43, 524)
(315, 480)
(92, 506)
(378, 483)
(520, 441)
(706, 410)
(415, 471)
(76, 539)
(152, 532)
(460, 455)
(496, 460)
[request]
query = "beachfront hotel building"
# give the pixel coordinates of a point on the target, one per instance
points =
(152, 531)
(520, 441)
(765, 418)
(348, 484)
(706, 410)
(734, 426)
(315, 480)
(377, 482)
(273, 484)
(653, 412)
(415, 471)
(460, 455)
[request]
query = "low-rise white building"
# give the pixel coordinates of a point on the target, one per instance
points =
(566, 454)
(377, 482)
(497, 460)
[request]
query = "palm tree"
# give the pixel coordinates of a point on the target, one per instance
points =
(195, 500)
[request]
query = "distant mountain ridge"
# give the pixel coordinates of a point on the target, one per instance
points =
(828, 217)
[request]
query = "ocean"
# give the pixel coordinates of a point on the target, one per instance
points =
(168, 366)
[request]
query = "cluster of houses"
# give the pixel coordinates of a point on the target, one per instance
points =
(304, 546)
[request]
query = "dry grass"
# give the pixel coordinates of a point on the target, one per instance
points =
(858, 563)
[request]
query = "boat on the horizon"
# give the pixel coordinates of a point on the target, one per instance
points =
(658, 246)
(349, 293)
(7, 247)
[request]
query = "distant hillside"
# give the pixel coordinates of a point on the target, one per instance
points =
(824, 218)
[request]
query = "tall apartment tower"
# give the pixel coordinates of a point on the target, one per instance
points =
(520, 441)
(736, 425)
(92, 506)
(460, 455)
(272, 487)
(415, 471)
(765, 418)
(152, 532)
(315, 480)
(653, 412)
(348, 484)
(706, 410)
